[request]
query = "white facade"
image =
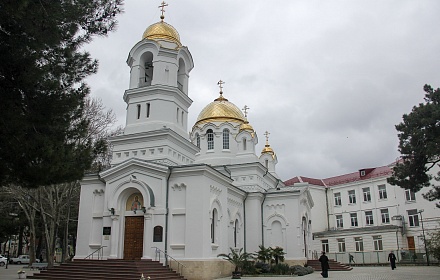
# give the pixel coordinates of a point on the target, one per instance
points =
(195, 197)
(361, 214)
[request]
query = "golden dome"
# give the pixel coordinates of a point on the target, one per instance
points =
(220, 110)
(162, 31)
(246, 126)
(267, 150)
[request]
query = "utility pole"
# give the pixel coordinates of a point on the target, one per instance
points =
(424, 238)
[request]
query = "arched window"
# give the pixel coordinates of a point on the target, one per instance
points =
(138, 111)
(210, 137)
(225, 139)
(244, 144)
(213, 225)
(177, 115)
(235, 232)
(157, 234)
(198, 140)
(266, 163)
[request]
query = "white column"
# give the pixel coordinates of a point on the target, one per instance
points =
(114, 237)
(148, 233)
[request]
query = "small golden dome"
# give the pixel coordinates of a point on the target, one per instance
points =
(246, 126)
(267, 150)
(220, 110)
(162, 31)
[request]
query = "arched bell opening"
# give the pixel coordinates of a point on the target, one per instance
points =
(146, 69)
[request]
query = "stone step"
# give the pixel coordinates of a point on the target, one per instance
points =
(334, 265)
(111, 269)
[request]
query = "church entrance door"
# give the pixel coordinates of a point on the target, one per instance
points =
(134, 238)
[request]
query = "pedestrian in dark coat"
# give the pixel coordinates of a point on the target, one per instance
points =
(324, 265)
(392, 259)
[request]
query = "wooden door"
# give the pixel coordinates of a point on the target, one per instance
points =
(411, 244)
(134, 238)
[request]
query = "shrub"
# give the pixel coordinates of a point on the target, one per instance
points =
(301, 270)
(280, 269)
(262, 267)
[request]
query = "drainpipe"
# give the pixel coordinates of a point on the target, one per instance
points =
(170, 170)
(244, 222)
(326, 203)
(262, 227)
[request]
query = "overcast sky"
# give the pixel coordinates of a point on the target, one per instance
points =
(328, 79)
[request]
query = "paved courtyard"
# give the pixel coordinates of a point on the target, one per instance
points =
(358, 273)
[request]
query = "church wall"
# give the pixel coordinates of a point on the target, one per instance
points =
(92, 190)
(253, 221)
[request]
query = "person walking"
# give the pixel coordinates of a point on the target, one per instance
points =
(392, 259)
(351, 259)
(324, 265)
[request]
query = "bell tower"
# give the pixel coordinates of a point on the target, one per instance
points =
(157, 99)
(158, 91)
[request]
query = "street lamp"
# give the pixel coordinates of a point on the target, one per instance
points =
(424, 238)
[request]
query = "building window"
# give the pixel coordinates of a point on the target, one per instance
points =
(385, 216)
(157, 234)
(324, 245)
(410, 195)
(413, 218)
(369, 218)
(338, 199)
(359, 244)
(354, 219)
(266, 163)
(377, 242)
(341, 245)
(210, 137)
(181, 120)
(197, 140)
(352, 197)
(382, 192)
(367, 194)
(213, 225)
(148, 110)
(177, 115)
(138, 111)
(225, 139)
(244, 144)
(339, 221)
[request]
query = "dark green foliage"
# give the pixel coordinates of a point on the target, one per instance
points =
(419, 145)
(42, 91)
(262, 267)
(301, 270)
(280, 269)
(237, 258)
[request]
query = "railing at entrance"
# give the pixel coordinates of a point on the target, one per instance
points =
(159, 255)
(99, 253)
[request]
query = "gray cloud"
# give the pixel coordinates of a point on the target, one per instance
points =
(328, 79)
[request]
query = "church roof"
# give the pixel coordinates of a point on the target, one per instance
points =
(370, 173)
(220, 110)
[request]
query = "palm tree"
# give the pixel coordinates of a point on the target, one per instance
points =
(238, 259)
(265, 254)
(277, 254)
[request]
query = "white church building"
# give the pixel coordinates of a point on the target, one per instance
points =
(192, 193)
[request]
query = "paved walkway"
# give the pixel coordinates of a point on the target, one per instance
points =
(358, 273)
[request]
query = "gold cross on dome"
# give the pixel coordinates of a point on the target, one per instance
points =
(162, 9)
(220, 84)
(245, 108)
(267, 136)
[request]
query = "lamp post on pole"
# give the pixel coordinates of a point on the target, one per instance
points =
(424, 238)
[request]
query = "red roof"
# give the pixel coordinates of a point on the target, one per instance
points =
(343, 179)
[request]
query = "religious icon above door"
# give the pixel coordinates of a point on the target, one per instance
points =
(134, 202)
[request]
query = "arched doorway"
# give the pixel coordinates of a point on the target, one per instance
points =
(134, 227)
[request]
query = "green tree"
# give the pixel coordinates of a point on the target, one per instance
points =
(433, 244)
(419, 146)
(277, 254)
(42, 72)
(264, 254)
